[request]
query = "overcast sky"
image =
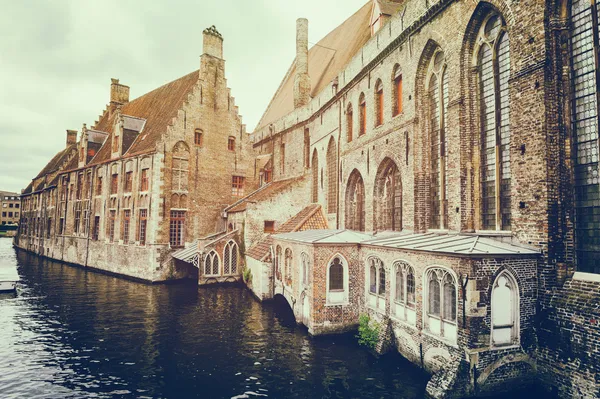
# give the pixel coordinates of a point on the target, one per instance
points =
(57, 58)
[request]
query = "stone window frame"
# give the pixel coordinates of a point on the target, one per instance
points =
(515, 332)
(384, 206)
(376, 299)
(355, 202)
(230, 258)
(337, 297)
(315, 176)
(231, 143)
(502, 203)
(379, 104)
(180, 167)
(209, 260)
(397, 91)
(142, 230)
(448, 329)
(288, 258)
(404, 309)
(362, 115)
(437, 107)
(199, 138)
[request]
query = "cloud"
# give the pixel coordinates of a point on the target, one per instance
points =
(58, 58)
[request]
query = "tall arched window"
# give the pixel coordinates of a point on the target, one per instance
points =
(388, 197)
(288, 266)
(332, 176)
(377, 278)
(438, 103)
(337, 281)
(180, 166)
(349, 122)
(404, 293)
(494, 72)
(584, 65)
(230, 258)
(505, 310)
(378, 103)
(362, 115)
(355, 202)
(441, 294)
(315, 176)
(305, 261)
(211, 264)
(278, 263)
(397, 91)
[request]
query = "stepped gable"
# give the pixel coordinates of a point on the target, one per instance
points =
(262, 193)
(309, 218)
(326, 60)
(157, 107)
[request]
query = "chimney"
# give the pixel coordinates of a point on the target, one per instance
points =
(119, 94)
(71, 137)
(213, 42)
(301, 80)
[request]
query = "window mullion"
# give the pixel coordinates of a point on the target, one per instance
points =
(497, 152)
(442, 143)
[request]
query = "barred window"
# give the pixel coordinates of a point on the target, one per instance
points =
(126, 223)
(237, 186)
(230, 258)
(315, 176)
(438, 102)
(378, 103)
(336, 275)
(177, 229)
(355, 202)
(584, 64)
(142, 222)
(332, 173)
(494, 72)
(211, 264)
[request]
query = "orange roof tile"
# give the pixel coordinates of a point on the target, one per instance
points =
(326, 60)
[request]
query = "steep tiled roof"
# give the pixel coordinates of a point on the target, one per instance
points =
(309, 218)
(326, 60)
(157, 107)
(262, 193)
(57, 160)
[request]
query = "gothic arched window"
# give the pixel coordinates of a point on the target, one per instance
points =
(230, 258)
(441, 294)
(211, 264)
(505, 310)
(278, 254)
(355, 202)
(585, 56)
(404, 293)
(377, 278)
(378, 103)
(493, 65)
(288, 266)
(388, 197)
(438, 105)
(337, 281)
(397, 90)
(180, 166)
(362, 115)
(305, 267)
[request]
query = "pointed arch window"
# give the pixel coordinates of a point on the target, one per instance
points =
(441, 300)
(288, 266)
(332, 176)
(505, 310)
(378, 103)
(397, 91)
(362, 115)
(337, 281)
(438, 103)
(355, 202)
(585, 58)
(388, 197)
(305, 261)
(315, 177)
(493, 64)
(278, 255)
(377, 279)
(349, 123)
(403, 307)
(211, 264)
(180, 166)
(230, 258)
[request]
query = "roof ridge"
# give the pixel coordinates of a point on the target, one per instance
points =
(307, 217)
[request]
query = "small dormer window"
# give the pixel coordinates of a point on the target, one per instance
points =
(231, 143)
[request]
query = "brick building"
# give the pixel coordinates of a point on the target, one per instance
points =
(151, 176)
(10, 208)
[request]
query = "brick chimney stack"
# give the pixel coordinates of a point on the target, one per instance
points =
(213, 42)
(301, 80)
(119, 94)
(71, 137)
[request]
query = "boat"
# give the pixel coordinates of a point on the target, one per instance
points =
(8, 279)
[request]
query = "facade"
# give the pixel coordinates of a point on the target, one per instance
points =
(10, 208)
(150, 177)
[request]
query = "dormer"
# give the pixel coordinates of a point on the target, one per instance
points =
(382, 11)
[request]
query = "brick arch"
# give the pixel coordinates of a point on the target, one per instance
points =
(435, 358)
(508, 359)
(354, 215)
(387, 197)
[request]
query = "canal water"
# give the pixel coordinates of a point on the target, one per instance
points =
(70, 333)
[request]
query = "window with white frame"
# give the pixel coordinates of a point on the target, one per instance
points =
(441, 302)
(337, 281)
(505, 310)
(404, 294)
(230, 258)
(377, 279)
(211, 264)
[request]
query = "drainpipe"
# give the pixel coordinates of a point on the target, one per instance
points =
(464, 281)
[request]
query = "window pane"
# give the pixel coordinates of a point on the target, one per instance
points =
(336, 276)
(449, 299)
(434, 295)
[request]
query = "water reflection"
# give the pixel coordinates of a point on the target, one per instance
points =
(76, 334)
